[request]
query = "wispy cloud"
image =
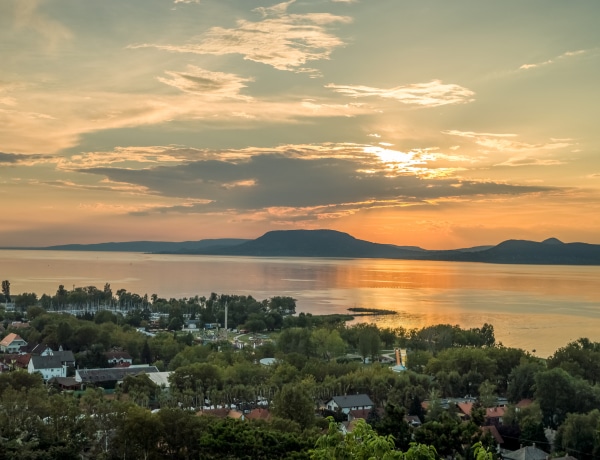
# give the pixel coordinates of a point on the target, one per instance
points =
(431, 94)
(507, 142)
(207, 83)
(282, 40)
(547, 62)
(28, 16)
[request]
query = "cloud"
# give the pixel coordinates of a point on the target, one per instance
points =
(529, 161)
(27, 15)
(207, 83)
(431, 94)
(282, 40)
(300, 180)
(566, 55)
(506, 143)
(36, 124)
(12, 159)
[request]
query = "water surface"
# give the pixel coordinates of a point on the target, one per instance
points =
(531, 306)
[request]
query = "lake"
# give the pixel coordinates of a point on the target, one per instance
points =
(533, 307)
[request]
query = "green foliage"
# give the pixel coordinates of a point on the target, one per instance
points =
(393, 424)
(580, 359)
(249, 440)
(363, 443)
(481, 453)
(369, 343)
(558, 394)
(521, 381)
(579, 436)
(295, 402)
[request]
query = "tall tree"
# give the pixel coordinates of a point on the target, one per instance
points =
(6, 290)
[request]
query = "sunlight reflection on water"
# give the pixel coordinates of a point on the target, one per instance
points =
(531, 307)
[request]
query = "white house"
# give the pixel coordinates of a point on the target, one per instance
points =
(349, 402)
(48, 366)
(12, 343)
(118, 358)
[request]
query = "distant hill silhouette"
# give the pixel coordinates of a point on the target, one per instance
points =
(314, 243)
(331, 243)
(551, 251)
(184, 247)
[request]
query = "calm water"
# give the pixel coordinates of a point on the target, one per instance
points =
(530, 306)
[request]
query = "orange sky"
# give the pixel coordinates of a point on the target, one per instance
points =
(429, 123)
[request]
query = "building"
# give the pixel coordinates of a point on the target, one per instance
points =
(12, 343)
(349, 402)
(109, 377)
(49, 366)
(118, 358)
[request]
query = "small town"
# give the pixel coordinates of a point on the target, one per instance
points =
(233, 377)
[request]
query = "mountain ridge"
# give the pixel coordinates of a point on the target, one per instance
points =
(334, 244)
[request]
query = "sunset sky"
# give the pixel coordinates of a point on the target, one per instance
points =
(432, 123)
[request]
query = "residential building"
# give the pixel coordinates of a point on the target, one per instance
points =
(349, 402)
(118, 358)
(48, 366)
(12, 343)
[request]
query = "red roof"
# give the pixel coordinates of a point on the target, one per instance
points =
(492, 412)
(259, 413)
(10, 338)
(465, 407)
(524, 403)
(494, 432)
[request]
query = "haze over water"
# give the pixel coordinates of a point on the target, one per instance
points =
(532, 307)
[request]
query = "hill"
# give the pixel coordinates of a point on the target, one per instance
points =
(184, 247)
(331, 243)
(314, 243)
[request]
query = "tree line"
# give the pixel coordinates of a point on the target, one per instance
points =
(316, 358)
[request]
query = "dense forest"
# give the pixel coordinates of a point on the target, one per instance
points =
(316, 358)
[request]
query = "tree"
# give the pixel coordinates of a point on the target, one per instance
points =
(521, 381)
(369, 343)
(558, 394)
(393, 423)
(138, 434)
(580, 359)
(579, 436)
(363, 443)
(327, 343)
(6, 290)
(295, 402)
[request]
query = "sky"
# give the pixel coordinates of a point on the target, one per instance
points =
(431, 123)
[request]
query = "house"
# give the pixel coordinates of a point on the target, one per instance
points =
(12, 343)
(108, 377)
(525, 453)
(161, 379)
(48, 366)
(35, 349)
(65, 383)
(494, 433)
(465, 409)
(493, 415)
(259, 414)
(349, 402)
(118, 358)
(412, 420)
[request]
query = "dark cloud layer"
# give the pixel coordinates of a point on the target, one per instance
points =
(266, 181)
(18, 158)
